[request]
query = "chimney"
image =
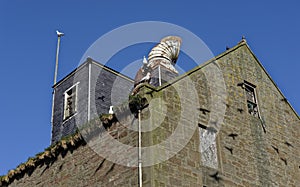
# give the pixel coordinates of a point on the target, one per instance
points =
(162, 59)
(159, 68)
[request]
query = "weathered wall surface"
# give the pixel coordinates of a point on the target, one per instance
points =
(60, 127)
(80, 165)
(107, 88)
(255, 161)
(251, 158)
(83, 167)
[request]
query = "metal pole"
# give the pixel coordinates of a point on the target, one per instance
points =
(52, 114)
(55, 77)
(56, 60)
(89, 92)
(159, 75)
(140, 152)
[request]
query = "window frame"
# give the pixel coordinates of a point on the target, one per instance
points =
(253, 101)
(66, 96)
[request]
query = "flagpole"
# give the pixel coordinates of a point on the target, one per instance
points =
(59, 34)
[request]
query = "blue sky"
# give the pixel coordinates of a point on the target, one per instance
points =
(28, 45)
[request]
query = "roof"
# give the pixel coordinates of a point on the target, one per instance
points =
(47, 157)
(90, 60)
(243, 42)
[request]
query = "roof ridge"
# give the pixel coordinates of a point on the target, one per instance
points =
(269, 76)
(103, 66)
(243, 42)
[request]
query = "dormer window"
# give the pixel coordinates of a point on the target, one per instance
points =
(251, 99)
(70, 102)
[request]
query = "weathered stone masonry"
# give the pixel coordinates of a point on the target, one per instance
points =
(246, 154)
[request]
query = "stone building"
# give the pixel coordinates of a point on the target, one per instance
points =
(223, 123)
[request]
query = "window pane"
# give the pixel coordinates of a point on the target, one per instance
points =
(252, 108)
(251, 99)
(70, 102)
(250, 94)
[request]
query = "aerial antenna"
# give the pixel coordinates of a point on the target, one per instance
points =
(59, 35)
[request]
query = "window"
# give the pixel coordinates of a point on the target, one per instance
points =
(251, 99)
(70, 102)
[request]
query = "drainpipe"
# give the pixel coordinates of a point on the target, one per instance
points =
(52, 114)
(89, 93)
(140, 151)
(159, 75)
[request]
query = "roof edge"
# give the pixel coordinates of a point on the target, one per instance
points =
(269, 76)
(86, 62)
(51, 153)
(243, 42)
(176, 79)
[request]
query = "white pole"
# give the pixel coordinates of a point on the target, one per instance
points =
(140, 152)
(56, 60)
(89, 92)
(59, 34)
(159, 76)
(53, 94)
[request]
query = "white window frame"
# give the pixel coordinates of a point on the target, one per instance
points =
(247, 84)
(66, 96)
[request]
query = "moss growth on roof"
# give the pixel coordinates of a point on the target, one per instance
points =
(62, 147)
(47, 157)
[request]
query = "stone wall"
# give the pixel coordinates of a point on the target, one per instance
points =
(72, 161)
(255, 160)
(83, 167)
(251, 151)
(244, 150)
